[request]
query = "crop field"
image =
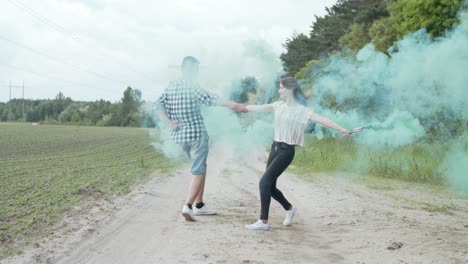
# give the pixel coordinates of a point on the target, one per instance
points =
(45, 170)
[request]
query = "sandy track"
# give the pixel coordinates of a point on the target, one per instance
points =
(337, 222)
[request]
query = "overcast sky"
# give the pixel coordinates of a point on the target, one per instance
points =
(93, 49)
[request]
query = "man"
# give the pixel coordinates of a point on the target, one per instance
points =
(179, 107)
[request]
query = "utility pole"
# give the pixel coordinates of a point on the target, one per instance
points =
(9, 103)
(22, 112)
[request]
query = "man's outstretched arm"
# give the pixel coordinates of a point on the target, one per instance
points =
(240, 108)
(207, 98)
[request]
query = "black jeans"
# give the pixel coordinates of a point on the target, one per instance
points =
(281, 156)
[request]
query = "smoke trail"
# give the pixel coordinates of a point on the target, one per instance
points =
(265, 61)
(399, 129)
(224, 127)
(162, 141)
(455, 165)
(243, 135)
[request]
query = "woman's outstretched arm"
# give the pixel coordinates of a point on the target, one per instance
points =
(328, 123)
(260, 108)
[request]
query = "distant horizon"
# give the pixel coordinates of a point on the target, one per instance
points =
(32, 99)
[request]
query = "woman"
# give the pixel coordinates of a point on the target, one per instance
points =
(291, 117)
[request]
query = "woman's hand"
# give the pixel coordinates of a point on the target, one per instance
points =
(240, 108)
(344, 133)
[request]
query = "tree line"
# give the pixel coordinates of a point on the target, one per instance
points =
(63, 110)
(351, 24)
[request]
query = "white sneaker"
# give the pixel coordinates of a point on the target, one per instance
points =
(188, 214)
(289, 216)
(203, 211)
(259, 225)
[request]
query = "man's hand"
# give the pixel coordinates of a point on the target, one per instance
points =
(240, 108)
(173, 124)
(163, 117)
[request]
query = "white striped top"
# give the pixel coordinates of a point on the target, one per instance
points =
(290, 122)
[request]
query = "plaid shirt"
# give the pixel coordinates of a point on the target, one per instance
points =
(181, 100)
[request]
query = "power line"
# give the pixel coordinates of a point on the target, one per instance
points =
(75, 38)
(44, 75)
(60, 60)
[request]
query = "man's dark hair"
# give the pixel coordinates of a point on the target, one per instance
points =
(190, 60)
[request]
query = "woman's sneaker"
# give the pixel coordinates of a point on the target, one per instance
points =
(289, 216)
(188, 214)
(259, 225)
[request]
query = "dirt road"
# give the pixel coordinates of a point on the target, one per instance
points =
(338, 221)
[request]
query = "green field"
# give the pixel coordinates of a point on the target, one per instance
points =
(45, 170)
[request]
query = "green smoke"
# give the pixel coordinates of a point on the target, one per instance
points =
(418, 94)
(225, 126)
(236, 134)
(399, 129)
(426, 79)
(455, 165)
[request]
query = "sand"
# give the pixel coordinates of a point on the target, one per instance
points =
(338, 221)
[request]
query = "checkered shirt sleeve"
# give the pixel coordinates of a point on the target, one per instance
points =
(204, 97)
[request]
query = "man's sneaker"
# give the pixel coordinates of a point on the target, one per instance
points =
(259, 225)
(188, 214)
(203, 211)
(289, 216)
